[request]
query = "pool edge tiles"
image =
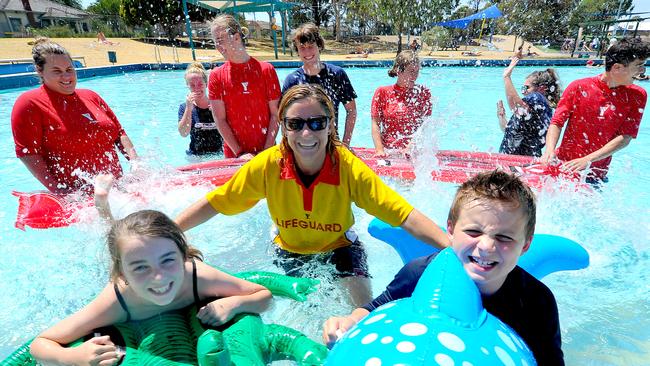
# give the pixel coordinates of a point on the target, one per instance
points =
(21, 80)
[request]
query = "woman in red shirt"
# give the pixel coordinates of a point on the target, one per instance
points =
(398, 110)
(64, 135)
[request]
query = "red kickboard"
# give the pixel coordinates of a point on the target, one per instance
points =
(42, 210)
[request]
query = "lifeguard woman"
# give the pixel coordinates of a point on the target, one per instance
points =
(310, 181)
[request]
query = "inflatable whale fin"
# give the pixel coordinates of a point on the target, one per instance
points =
(547, 253)
(462, 300)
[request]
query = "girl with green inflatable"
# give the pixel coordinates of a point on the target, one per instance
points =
(154, 270)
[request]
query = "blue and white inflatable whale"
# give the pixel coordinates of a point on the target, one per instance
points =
(442, 323)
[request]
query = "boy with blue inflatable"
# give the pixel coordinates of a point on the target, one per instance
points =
(490, 224)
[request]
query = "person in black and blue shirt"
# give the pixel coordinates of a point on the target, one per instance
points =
(525, 132)
(195, 116)
(490, 225)
(308, 42)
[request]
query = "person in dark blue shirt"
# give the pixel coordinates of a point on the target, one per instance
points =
(308, 42)
(195, 116)
(525, 132)
(490, 225)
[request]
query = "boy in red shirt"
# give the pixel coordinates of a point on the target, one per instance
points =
(603, 113)
(243, 92)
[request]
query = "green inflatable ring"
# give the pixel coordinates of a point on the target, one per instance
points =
(177, 338)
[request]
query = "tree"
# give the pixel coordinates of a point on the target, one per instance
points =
(107, 17)
(167, 13)
(412, 16)
(597, 10)
(536, 19)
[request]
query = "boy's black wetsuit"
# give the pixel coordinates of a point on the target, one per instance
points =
(523, 302)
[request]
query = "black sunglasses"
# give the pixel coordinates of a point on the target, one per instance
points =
(317, 123)
(524, 88)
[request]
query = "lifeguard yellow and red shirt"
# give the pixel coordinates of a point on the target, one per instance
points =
(310, 219)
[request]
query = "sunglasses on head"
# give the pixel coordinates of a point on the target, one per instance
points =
(317, 123)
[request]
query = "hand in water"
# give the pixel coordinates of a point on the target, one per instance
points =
(103, 184)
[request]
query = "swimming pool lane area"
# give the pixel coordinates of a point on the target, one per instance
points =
(48, 274)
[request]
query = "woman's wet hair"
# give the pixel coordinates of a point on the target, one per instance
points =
(403, 60)
(44, 47)
(230, 25)
(498, 186)
(316, 93)
(196, 68)
(150, 224)
(550, 80)
(307, 33)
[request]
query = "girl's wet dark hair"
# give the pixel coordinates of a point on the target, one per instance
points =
(550, 80)
(44, 47)
(147, 223)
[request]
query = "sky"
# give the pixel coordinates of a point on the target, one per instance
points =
(639, 5)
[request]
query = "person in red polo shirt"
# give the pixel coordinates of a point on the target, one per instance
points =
(243, 93)
(602, 113)
(66, 136)
(398, 110)
(310, 181)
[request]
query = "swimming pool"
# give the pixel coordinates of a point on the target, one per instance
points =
(603, 310)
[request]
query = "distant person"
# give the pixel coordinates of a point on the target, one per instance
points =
(602, 113)
(195, 116)
(243, 92)
(398, 110)
(525, 132)
(101, 38)
(66, 136)
(491, 225)
(308, 42)
(642, 77)
(310, 182)
(591, 64)
(415, 46)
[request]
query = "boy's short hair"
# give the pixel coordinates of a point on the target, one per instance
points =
(307, 33)
(499, 186)
(626, 51)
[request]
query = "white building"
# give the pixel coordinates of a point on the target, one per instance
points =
(14, 17)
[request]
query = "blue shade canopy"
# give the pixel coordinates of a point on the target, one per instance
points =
(489, 13)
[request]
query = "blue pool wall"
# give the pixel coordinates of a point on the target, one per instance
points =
(27, 79)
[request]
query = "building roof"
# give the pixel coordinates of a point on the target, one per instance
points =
(49, 9)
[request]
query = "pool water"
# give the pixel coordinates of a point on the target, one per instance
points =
(47, 274)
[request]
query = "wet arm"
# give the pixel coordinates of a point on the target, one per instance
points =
(424, 229)
(126, 147)
(514, 100)
(552, 137)
(616, 144)
(36, 165)
(198, 213)
(350, 121)
(376, 137)
(273, 124)
(219, 115)
(185, 122)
